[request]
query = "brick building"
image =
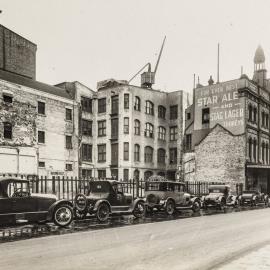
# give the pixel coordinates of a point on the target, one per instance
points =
(227, 130)
(133, 131)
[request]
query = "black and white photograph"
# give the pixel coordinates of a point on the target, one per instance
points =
(134, 135)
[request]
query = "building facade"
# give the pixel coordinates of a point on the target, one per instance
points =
(227, 131)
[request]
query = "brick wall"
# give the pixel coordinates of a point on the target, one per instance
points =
(221, 157)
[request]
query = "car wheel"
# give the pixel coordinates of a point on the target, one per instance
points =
(170, 207)
(103, 212)
(139, 210)
(63, 215)
(79, 215)
(196, 206)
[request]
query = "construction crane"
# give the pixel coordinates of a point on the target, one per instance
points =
(148, 77)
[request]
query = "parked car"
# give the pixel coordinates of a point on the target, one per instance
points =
(106, 197)
(169, 196)
(18, 203)
(253, 198)
(219, 196)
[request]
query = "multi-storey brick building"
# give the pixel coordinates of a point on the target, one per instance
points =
(135, 131)
(227, 130)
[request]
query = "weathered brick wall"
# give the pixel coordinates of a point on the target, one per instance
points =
(221, 157)
(17, 54)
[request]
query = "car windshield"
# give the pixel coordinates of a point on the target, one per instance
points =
(99, 187)
(216, 190)
(155, 186)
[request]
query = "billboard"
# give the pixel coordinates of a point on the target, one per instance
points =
(225, 106)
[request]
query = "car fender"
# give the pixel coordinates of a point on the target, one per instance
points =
(195, 199)
(97, 204)
(168, 199)
(135, 202)
(52, 207)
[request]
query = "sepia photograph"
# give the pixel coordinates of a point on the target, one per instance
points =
(134, 135)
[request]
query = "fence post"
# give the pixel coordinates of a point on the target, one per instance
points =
(45, 184)
(53, 184)
(137, 188)
(37, 185)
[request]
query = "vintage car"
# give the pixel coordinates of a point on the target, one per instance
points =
(18, 203)
(106, 197)
(169, 196)
(219, 196)
(253, 198)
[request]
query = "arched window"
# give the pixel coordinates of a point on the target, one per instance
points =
(161, 156)
(137, 127)
(137, 152)
(147, 174)
(149, 130)
(162, 133)
(148, 154)
(263, 148)
(149, 107)
(249, 112)
(137, 105)
(161, 112)
(250, 149)
(254, 149)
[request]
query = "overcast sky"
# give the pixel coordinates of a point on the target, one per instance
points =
(89, 41)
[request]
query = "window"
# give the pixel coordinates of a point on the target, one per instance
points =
(205, 116)
(267, 153)
(68, 142)
(7, 130)
(102, 105)
(86, 127)
(173, 155)
(148, 154)
(86, 173)
(68, 114)
(173, 133)
(101, 152)
(114, 128)
(161, 112)
(263, 148)
(249, 112)
(126, 151)
(114, 154)
(173, 112)
(86, 104)
(161, 156)
(137, 105)
(126, 101)
(41, 164)
(69, 167)
(162, 133)
(149, 107)
(41, 107)
(126, 125)
(149, 130)
(188, 142)
(136, 153)
(41, 136)
(255, 114)
(254, 149)
(250, 148)
(188, 116)
(126, 174)
(266, 120)
(137, 127)
(101, 128)
(7, 98)
(101, 173)
(87, 152)
(115, 105)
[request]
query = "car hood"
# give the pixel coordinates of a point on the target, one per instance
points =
(46, 196)
(213, 196)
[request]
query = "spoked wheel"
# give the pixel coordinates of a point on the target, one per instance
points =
(170, 207)
(63, 215)
(139, 210)
(103, 212)
(196, 207)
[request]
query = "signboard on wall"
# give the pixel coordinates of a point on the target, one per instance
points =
(225, 106)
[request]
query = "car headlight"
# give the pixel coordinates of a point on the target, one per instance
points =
(162, 201)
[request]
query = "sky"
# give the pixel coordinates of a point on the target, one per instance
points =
(90, 41)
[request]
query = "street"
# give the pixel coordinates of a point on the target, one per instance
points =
(203, 242)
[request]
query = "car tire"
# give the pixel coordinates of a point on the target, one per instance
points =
(139, 210)
(170, 207)
(103, 212)
(196, 207)
(63, 215)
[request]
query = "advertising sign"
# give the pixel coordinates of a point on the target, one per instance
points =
(225, 106)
